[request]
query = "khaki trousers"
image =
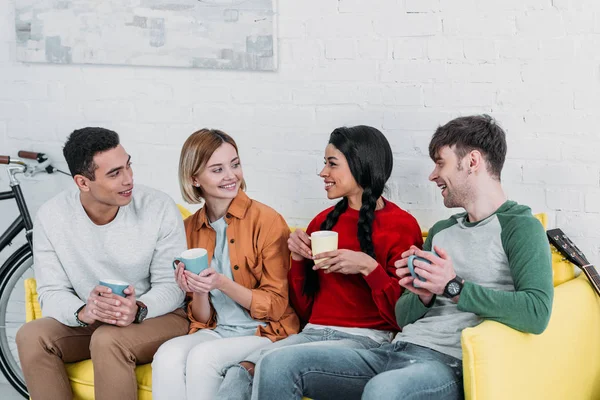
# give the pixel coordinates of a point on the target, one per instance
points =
(45, 345)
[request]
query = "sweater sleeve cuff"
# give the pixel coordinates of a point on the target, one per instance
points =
(378, 279)
(464, 299)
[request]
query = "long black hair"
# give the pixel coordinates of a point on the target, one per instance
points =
(370, 160)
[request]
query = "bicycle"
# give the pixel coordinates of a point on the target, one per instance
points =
(18, 266)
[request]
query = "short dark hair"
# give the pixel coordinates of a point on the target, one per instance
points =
(476, 132)
(83, 144)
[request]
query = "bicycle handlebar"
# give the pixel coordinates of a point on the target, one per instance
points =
(4, 159)
(30, 155)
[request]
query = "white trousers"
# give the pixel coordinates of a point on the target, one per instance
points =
(193, 366)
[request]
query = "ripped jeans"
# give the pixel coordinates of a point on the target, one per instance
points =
(397, 370)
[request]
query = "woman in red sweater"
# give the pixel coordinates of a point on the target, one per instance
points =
(347, 300)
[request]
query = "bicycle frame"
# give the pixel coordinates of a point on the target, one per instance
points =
(23, 221)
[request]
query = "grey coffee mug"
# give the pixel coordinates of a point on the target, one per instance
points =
(411, 267)
(195, 260)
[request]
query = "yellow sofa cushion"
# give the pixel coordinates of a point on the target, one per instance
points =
(561, 363)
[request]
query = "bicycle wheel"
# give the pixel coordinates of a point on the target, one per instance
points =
(12, 313)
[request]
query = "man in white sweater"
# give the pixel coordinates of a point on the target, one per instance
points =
(105, 229)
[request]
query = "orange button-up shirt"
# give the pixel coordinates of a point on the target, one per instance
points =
(260, 260)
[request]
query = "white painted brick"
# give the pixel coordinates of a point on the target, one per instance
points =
(412, 195)
(541, 24)
(421, 6)
(31, 129)
(345, 93)
(457, 7)
(110, 111)
(480, 50)
(531, 196)
(558, 71)
(373, 49)
(592, 202)
(564, 200)
(194, 92)
(369, 7)
(412, 72)
(340, 49)
(409, 49)
(418, 121)
(512, 171)
(588, 98)
(304, 51)
(291, 28)
(505, 73)
(585, 224)
(262, 94)
(289, 116)
(480, 26)
(518, 48)
(448, 95)
(340, 26)
(330, 117)
(524, 148)
(405, 143)
(513, 5)
(581, 149)
(14, 110)
(220, 116)
(586, 49)
(23, 90)
(412, 170)
(408, 25)
(396, 95)
(159, 111)
(560, 174)
(345, 70)
(578, 22)
(307, 8)
(440, 48)
(536, 98)
(558, 48)
(3, 134)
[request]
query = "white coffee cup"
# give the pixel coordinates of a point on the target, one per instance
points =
(322, 241)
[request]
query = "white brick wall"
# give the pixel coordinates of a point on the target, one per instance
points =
(403, 66)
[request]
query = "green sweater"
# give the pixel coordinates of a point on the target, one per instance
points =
(506, 264)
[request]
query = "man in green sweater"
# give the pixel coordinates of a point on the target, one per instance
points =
(491, 262)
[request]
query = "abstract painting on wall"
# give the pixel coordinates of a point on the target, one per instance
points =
(222, 34)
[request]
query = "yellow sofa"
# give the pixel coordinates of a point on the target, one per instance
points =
(498, 362)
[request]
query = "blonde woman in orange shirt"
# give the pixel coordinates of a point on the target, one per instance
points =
(240, 303)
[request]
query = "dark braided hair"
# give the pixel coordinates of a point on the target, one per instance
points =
(370, 160)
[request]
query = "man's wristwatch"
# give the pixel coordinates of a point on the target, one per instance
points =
(80, 322)
(453, 287)
(141, 312)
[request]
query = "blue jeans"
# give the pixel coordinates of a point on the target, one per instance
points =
(393, 371)
(237, 384)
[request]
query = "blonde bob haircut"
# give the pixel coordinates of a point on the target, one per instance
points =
(196, 152)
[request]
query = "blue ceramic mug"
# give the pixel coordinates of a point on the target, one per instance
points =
(117, 287)
(411, 267)
(195, 260)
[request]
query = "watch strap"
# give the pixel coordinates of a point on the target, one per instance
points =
(141, 313)
(80, 322)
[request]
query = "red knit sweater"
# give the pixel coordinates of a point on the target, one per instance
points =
(358, 301)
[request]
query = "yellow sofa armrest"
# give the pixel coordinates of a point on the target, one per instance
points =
(32, 306)
(561, 363)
